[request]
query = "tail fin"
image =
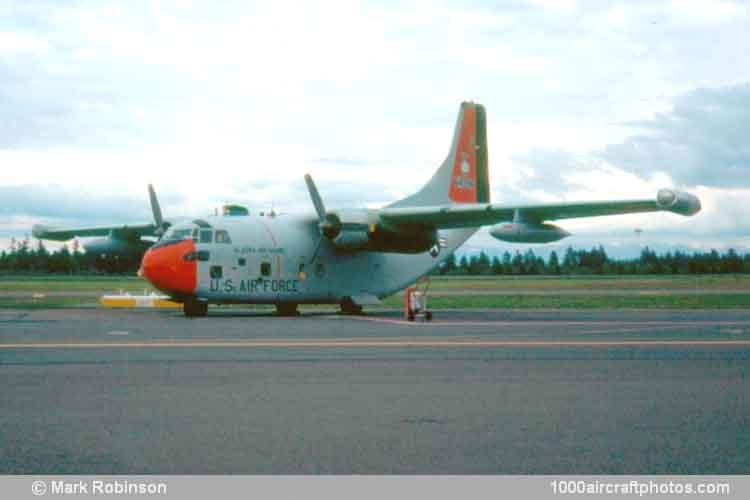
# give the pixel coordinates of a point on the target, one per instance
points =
(463, 177)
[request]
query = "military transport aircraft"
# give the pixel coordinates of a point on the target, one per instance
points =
(352, 257)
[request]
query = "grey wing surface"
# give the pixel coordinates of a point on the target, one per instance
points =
(63, 234)
(480, 214)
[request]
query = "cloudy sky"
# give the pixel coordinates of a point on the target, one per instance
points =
(234, 101)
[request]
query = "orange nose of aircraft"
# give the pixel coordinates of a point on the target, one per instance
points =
(167, 269)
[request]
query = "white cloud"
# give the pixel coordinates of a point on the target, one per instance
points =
(12, 43)
(707, 11)
(236, 101)
(565, 6)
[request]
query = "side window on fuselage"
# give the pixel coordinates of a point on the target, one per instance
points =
(222, 236)
(216, 272)
(206, 236)
(265, 269)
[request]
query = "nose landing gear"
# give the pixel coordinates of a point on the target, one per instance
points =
(286, 309)
(348, 306)
(194, 309)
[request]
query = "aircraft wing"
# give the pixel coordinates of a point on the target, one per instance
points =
(480, 214)
(122, 231)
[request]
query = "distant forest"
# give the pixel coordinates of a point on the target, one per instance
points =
(596, 261)
(23, 257)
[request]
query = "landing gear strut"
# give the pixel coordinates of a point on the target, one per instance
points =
(286, 309)
(349, 307)
(194, 309)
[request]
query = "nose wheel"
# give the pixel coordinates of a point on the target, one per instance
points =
(286, 309)
(194, 309)
(348, 306)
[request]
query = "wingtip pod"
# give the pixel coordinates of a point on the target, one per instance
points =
(678, 202)
(43, 232)
(38, 231)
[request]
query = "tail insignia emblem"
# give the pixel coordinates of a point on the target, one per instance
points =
(465, 163)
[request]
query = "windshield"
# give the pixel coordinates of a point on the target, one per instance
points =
(199, 233)
(178, 233)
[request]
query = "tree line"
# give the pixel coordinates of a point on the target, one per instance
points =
(596, 261)
(25, 257)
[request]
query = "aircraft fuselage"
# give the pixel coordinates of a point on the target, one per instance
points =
(278, 259)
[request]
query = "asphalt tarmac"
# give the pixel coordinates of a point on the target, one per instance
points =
(473, 392)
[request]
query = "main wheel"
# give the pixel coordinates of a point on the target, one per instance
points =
(287, 309)
(194, 309)
(349, 307)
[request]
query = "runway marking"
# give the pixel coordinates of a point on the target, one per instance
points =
(659, 323)
(385, 343)
(642, 329)
(474, 336)
(117, 333)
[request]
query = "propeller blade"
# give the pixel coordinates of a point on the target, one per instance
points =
(156, 210)
(316, 199)
(328, 223)
(317, 248)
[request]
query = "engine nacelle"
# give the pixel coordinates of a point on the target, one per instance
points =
(404, 239)
(349, 239)
(362, 230)
(678, 202)
(521, 232)
(379, 239)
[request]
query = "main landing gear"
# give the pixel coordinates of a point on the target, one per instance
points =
(286, 309)
(348, 306)
(194, 309)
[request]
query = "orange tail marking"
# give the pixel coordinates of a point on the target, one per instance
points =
(463, 188)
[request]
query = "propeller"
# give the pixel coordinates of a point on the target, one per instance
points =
(161, 226)
(329, 224)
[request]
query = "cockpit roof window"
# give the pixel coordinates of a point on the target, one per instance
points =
(201, 223)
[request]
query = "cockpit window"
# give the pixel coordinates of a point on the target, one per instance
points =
(222, 236)
(197, 234)
(174, 235)
(177, 234)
